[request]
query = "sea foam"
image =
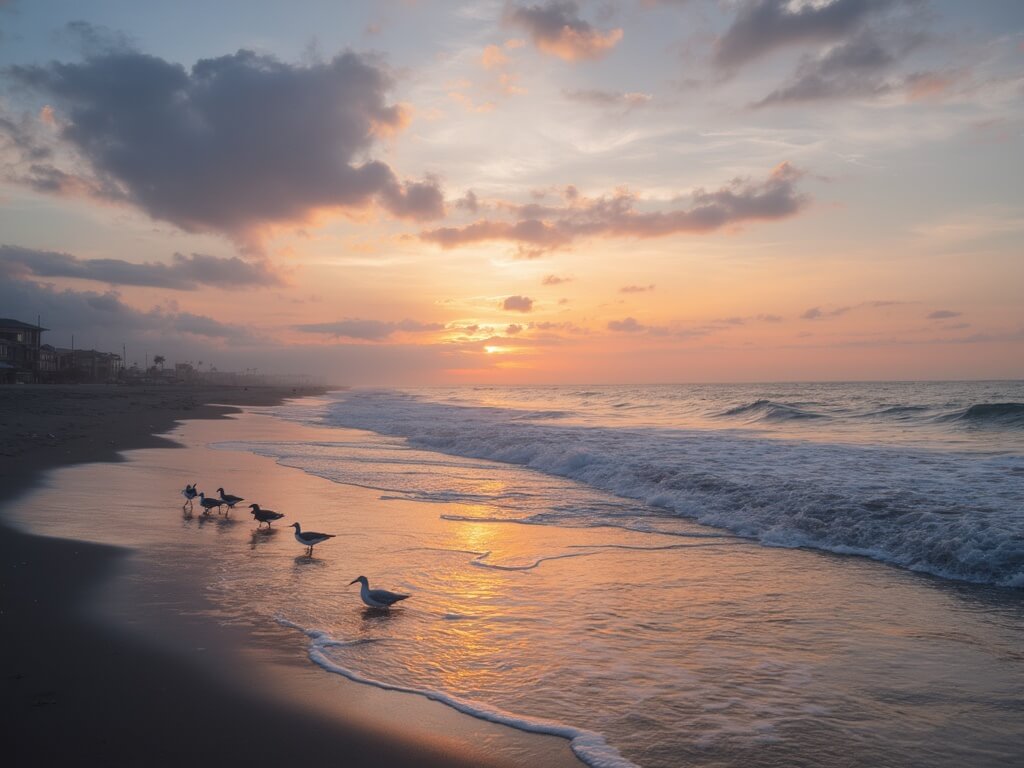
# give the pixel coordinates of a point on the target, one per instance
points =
(588, 746)
(954, 515)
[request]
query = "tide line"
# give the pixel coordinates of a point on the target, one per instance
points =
(590, 747)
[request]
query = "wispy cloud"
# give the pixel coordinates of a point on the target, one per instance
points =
(545, 227)
(182, 273)
(368, 330)
(555, 280)
(817, 313)
(601, 97)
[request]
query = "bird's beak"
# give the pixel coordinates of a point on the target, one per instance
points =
(353, 582)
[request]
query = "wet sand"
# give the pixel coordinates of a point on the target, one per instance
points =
(78, 686)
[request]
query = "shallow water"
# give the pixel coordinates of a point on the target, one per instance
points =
(557, 605)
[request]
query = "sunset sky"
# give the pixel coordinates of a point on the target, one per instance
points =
(434, 192)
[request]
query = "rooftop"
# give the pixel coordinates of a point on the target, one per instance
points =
(6, 322)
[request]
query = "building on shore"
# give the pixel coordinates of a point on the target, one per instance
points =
(19, 351)
(80, 365)
(24, 359)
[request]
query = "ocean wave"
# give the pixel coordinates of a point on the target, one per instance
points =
(542, 415)
(767, 410)
(957, 516)
(898, 411)
(588, 746)
(989, 414)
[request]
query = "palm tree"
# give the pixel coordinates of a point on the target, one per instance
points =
(159, 360)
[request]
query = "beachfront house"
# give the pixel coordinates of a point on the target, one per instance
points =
(19, 351)
(86, 365)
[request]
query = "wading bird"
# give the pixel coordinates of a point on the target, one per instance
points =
(265, 515)
(309, 539)
(208, 504)
(189, 492)
(229, 499)
(376, 598)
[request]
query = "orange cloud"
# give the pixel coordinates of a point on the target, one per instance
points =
(493, 57)
(573, 45)
(557, 29)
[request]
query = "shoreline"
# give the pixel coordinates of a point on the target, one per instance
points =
(106, 693)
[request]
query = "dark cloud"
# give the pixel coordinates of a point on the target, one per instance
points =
(512, 329)
(556, 28)
(183, 273)
(859, 67)
(517, 304)
(852, 69)
(528, 232)
(468, 202)
(555, 280)
(943, 314)
(636, 288)
(551, 227)
(105, 321)
(235, 143)
(369, 330)
(762, 26)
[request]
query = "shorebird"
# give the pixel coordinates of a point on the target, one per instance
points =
(265, 515)
(208, 504)
(229, 499)
(189, 492)
(310, 538)
(376, 598)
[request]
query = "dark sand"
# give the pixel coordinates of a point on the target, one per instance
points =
(76, 690)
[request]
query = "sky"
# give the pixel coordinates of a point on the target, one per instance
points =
(436, 192)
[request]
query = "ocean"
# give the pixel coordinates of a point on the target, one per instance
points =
(785, 574)
(926, 476)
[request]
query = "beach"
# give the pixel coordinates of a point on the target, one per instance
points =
(93, 676)
(565, 604)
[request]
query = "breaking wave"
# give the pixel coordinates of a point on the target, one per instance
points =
(766, 410)
(953, 515)
(989, 414)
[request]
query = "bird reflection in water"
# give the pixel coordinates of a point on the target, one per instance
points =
(261, 536)
(379, 614)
